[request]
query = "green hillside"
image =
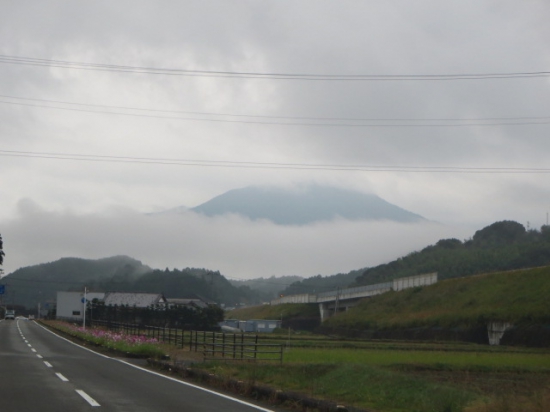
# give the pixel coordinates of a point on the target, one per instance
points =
(39, 283)
(505, 245)
(520, 297)
(27, 286)
(286, 311)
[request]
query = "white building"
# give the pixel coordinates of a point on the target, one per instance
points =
(70, 305)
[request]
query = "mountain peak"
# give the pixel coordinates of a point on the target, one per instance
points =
(304, 205)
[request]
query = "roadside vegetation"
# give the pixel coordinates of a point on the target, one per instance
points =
(132, 345)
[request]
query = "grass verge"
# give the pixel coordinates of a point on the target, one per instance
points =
(133, 345)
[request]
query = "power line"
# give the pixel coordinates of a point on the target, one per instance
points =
(365, 119)
(267, 165)
(33, 61)
(374, 123)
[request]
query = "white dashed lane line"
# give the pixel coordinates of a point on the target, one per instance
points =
(87, 397)
(83, 394)
(60, 376)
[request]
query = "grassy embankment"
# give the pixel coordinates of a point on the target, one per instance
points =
(520, 297)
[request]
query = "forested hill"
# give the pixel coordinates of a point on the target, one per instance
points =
(501, 246)
(504, 245)
(40, 283)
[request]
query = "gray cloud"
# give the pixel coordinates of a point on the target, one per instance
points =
(324, 37)
(235, 246)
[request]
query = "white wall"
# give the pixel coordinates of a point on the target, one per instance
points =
(413, 281)
(70, 306)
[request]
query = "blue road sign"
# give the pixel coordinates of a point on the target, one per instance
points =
(2, 289)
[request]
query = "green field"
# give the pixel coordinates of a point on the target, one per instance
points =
(389, 377)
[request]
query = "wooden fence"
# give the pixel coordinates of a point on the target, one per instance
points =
(213, 345)
(233, 346)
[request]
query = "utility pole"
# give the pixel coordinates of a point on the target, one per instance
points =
(337, 302)
(84, 303)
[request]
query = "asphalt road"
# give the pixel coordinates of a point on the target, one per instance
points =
(42, 372)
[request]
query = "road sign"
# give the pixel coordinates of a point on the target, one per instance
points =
(2, 289)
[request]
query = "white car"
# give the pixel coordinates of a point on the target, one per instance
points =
(10, 314)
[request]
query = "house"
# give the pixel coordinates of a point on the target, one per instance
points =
(187, 303)
(70, 305)
(134, 299)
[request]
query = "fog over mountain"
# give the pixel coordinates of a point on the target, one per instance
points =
(304, 205)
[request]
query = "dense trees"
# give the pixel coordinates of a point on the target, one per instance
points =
(186, 317)
(504, 245)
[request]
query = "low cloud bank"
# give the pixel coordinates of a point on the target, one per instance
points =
(237, 247)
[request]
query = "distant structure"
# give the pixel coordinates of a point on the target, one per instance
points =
(342, 299)
(134, 299)
(253, 325)
(70, 305)
(193, 303)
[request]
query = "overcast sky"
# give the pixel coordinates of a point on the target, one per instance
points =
(195, 98)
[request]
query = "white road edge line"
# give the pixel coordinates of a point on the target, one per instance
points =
(87, 397)
(34, 350)
(163, 376)
(39, 356)
(60, 376)
(48, 364)
(196, 387)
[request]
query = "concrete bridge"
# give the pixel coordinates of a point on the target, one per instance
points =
(341, 300)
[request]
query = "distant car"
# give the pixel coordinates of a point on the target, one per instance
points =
(10, 314)
(31, 317)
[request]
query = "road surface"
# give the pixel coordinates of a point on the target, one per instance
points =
(40, 371)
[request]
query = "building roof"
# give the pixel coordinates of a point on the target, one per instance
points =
(198, 303)
(137, 299)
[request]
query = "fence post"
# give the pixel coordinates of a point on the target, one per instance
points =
(242, 346)
(256, 347)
